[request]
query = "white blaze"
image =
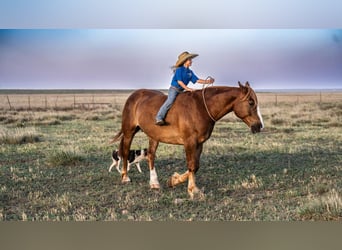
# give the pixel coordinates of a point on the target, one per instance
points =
(260, 117)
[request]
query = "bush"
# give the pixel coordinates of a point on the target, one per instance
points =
(64, 158)
(278, 121)
(327, 207)
(18, 135)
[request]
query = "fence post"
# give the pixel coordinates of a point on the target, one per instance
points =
(9, 103)
(29, 102)
(320, 97)
(93, 99)
(45, 102)
(56, 102)
(276, 99)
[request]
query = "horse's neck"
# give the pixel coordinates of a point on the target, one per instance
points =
(220, 100)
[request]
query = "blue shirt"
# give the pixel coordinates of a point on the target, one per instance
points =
(185, 75)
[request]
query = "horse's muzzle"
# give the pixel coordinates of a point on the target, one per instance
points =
(256, 127)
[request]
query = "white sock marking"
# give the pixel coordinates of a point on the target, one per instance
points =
(153, 177)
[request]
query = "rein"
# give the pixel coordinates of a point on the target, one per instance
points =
(205, 103)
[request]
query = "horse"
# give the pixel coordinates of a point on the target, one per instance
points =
(189, 122)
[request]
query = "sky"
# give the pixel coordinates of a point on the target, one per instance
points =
(141, 58)
(186, 14)
(124, 44)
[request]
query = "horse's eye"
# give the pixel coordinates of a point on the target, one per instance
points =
(251, 102)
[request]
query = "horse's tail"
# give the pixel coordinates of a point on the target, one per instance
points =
(117, 137)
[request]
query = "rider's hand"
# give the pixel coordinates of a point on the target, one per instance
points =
(210, 80)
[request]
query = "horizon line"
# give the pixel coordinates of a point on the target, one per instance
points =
(162, 89)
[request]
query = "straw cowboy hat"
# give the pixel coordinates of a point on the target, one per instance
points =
(183, 57)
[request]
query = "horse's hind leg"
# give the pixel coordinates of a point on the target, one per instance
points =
(153, 145)
(125, 145)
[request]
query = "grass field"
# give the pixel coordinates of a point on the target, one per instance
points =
(54, 167)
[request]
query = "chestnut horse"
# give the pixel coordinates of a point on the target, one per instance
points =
(189, 122)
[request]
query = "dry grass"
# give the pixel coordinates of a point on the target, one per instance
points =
(19, 135)
(327, 206)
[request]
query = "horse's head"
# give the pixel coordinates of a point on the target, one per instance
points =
(247, 109)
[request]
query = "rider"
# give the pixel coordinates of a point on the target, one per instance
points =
(181, 78)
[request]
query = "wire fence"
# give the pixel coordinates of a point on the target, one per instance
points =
(300, 97)
(60, 101)
(117, 99)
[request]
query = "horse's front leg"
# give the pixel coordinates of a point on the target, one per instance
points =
(193, 190)
(193, 155)
(177, 178)
(154, 183)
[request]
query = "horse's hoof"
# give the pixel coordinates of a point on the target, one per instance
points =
(196, 194)
(173, 180)
(169, 182)
(155, 186)
(125, 180)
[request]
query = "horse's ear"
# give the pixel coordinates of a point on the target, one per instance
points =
(244, 89)
(247, 84)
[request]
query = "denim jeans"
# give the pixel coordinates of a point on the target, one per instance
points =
(172, 94)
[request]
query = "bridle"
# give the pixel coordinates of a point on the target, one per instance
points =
(205, 103)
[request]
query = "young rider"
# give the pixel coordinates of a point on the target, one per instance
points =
(180, 80)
